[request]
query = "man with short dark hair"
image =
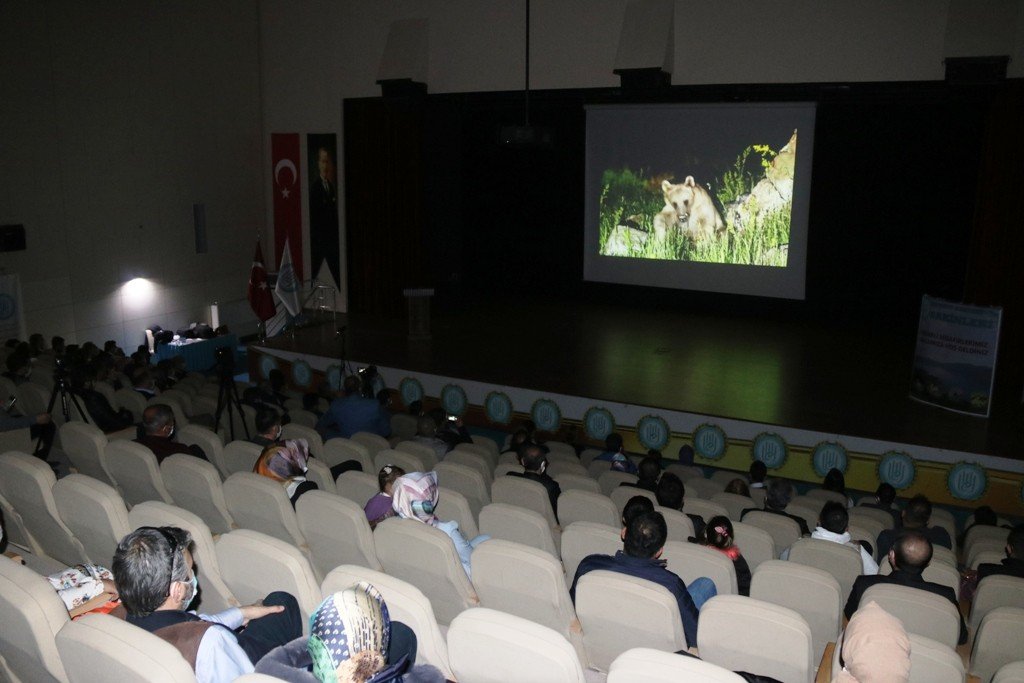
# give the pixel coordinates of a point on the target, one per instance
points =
(885, 496)
(758, 472)
(643, 542)
(670, 493)
(908, 556)
(353, 413)
(268, 427)
(156, 583)
(833, 526)
(615, 454)
(915, 518)
(158, 426)
(648, 474)
(780, 493)
(1013, 563)
(535, 464)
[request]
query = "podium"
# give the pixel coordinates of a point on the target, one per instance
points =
(418, 305)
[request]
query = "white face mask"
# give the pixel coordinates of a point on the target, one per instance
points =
(194, 588)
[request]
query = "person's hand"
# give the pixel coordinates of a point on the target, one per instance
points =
(250, 612)
(43, 419)
(109, 587)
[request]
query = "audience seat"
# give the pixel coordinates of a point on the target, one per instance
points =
(724, 477)
(644, 665)
(336, 531)
(509, 458)
(610, 480)
(31, 614)
(933, 662)
(261, 504)
(566, 466)
(943, 554)
(320, 474)
(338, 450)
(588, 455)
(373, 443)
(195, 485)
(487, 444)
(480, 463)
(504, 468)
(134, 469)
(744, 634)
(580, 539)
(685, 472)
(619, 612)
(359, 487)
(568, 482)
(733, 503)
(33, 399)
(812, 593)
(921, 612)
(520, 525)
(238, 456)
(999, 641)
(26, 483)
(986, 557)
(1010, 673)
(680, 526)
(426, 558)
(84, 444)
(215, 595)
(312, 437)
(16, 531)
(479, 446)
(703, 507)
(865, 518)
(756, 544)
(620, 495)
(841, 561)
(406, 603)
(995, 591)
(981, 545)
(130, 400)
(95, 514)
(403, 425)
(205, 438)
(582, 506)
(936, 572)
(691, 561)
(866, 529)
(527, 494)
(808, 514)
(703, 489)
(560, 449)
(426, 455)
(466, 481)
(529, 583)
(248, 418)
(254, 565)
(303, 418)
(983, 533)
(823, 496)
(880, 516)
(945, 519)
(453, 506)
(784, 531)
(407, 461)
(182, 397)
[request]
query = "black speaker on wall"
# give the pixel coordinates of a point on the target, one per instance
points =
(199, 225)
(12, 238)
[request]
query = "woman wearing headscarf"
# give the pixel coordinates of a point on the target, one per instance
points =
(285, 463)
(415, 497)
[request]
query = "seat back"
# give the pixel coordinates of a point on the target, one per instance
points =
(407, 461)
(195, 485)
(580, 539)
(206, 439)
(425, 453)
(559, 467)
(487, 645)
(580, 482)
(733, 503)
(812, 593)
(745, 634)
(238, 456)
(999, 641)
(680, 526)
(95, 514)
(320, 474)
(561, 449)
(336, 531)
(16, 531)
(621, 495)
(135, 471)
(575, 505)
(619, 612)
(293, 430)
(478, 462)
(359, 487)
(480, 447)
(945, 519)
(406, 603)
(84, 444)
(756, 544)
(1009, 673)
(466, 481)
(403, 425)
(528, 583)
(703, 489)
(921, 612)
(839, 560)
(338, 450)
(933, 662)
(374, 443)
(130, 400)
(783, 530)
(688, 472)
(453, 506)
(988, 533)
(253, 565)
(506, 467)
(978, 546)
(995, 591)
(808, 514)
(880, 516)
(520, 525)
(261, 504)
(171, 401)
(26, 483)
(215, 596)
(31, 614)
(524, 493)
(691, 561)
(303, 417)
(986, 557)
(703, 507)
(644, 665)
(32, 398)
(426, 558)
(610, 480)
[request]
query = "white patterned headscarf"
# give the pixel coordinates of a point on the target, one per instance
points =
(414, 496)
(349, 635)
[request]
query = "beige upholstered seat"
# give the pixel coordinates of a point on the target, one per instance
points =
(528, 583)
(338, 450)
(508, 458)
(569, 482)
(183, 398)
(195, 485)
(987, 533)
(866, 529)
(808, 514)
(135, 471)
(206, 439)
(580, 539)
(520, 525)
(839, 560)
(16, 531)
(480, 447)
(561, 449)
(996, 591)
(811, 592)
(487, 645)
(680, 526)
(620, 495)
(999, 641)
(373, 443)
(426, 558)
(880, 516)
(686, 472)
(480, 463)
(237, 456)
(733, 503)
(505, 467)
(466, 481)
(619, 612)
(866, 518)
(320, 474)
(453, 506)
(215, 595)
(130, 400)
(981, 545)
(703, 489)
(100, 648)
(84, 444)
(575, 505)
(254, 565)
(933, 662)
(524, 493)
(303, 418)
(403, 425)
(312, 437)
(943, 554)
(31, 614)
(406, 603)
(610, 480)
(745, 634)
(407, 461)
(703, 507)
(723, 477)
(261, 504)
(784, 531)
(17, 440)
(359, 487)
(1010, 673)
(921, 612)
(588, 455)
(756, 544)
(945, 519)
(426, 454)
(557, 468)
(336, 531)
(95, 514)
(691, 561)
(26, 483)
(644, 665)
(826, 496)
(986, 557)
(487, 443)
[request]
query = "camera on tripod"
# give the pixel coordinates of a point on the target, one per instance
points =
(60, 371)
(224, 364)
(371, 383)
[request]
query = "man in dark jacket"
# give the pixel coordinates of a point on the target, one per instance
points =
(1013, 563)
(158, 427)
(780, 493)
(915, 518)
(535, 464)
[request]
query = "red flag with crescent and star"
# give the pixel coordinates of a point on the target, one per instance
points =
(260, 297)
(284, 151)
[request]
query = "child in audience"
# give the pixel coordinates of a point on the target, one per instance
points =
(718, 534)
(738, 487)
(379, 508)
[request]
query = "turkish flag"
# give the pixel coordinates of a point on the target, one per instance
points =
(260, 297)
(284, 152)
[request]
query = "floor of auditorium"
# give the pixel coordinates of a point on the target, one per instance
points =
(841, 379)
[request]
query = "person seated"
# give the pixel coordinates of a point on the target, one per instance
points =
(143, 382)
(19, 366)
(685, 455)
(1013, 563)
(57, 346)
(451, 429)
(414, 496)
(40, 429)
(155, 579)
(835, 482)
(738, 487)
(615, 453)
(758, 472)
(426, 434)
(780, 493)
(833, 525)
(648, 474)
(643, 542)
(285, 463)
(983, 516)
(885, 497)
(158, 434)
(518, 439)
(915, 518)
(380, 507)
(671, 494)
(163, 374)
(535, 465)
(103, 415)
(79, 584)
(268, 427)
(718, 535)
(909, 556)
(36, 345)
(353, 413)
(352, 639)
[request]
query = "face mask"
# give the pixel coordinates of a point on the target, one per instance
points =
(194, 584)
(170, 434)
(280, 431)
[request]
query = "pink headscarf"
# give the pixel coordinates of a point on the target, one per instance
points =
(875, 648)
(283, 462)
(414, 496)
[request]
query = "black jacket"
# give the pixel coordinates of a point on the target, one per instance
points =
(901, 577)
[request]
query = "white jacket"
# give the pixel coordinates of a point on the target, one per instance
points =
(868, 562)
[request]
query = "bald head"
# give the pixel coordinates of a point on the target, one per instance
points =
(912, 552)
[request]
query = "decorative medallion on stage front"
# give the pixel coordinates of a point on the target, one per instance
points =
(653, 432)
(598, 423)
(302, 374)
(498, 407)
(411, 390)
(709, 441)
(267, 363)
(771, 449)
(829, 455)
(333, 376)
(967, 481)
(897, 469)
(546, 415)
(453, 399)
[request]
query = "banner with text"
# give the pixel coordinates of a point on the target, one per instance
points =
(955, 359)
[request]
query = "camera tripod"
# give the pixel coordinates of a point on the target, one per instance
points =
(227, 397)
